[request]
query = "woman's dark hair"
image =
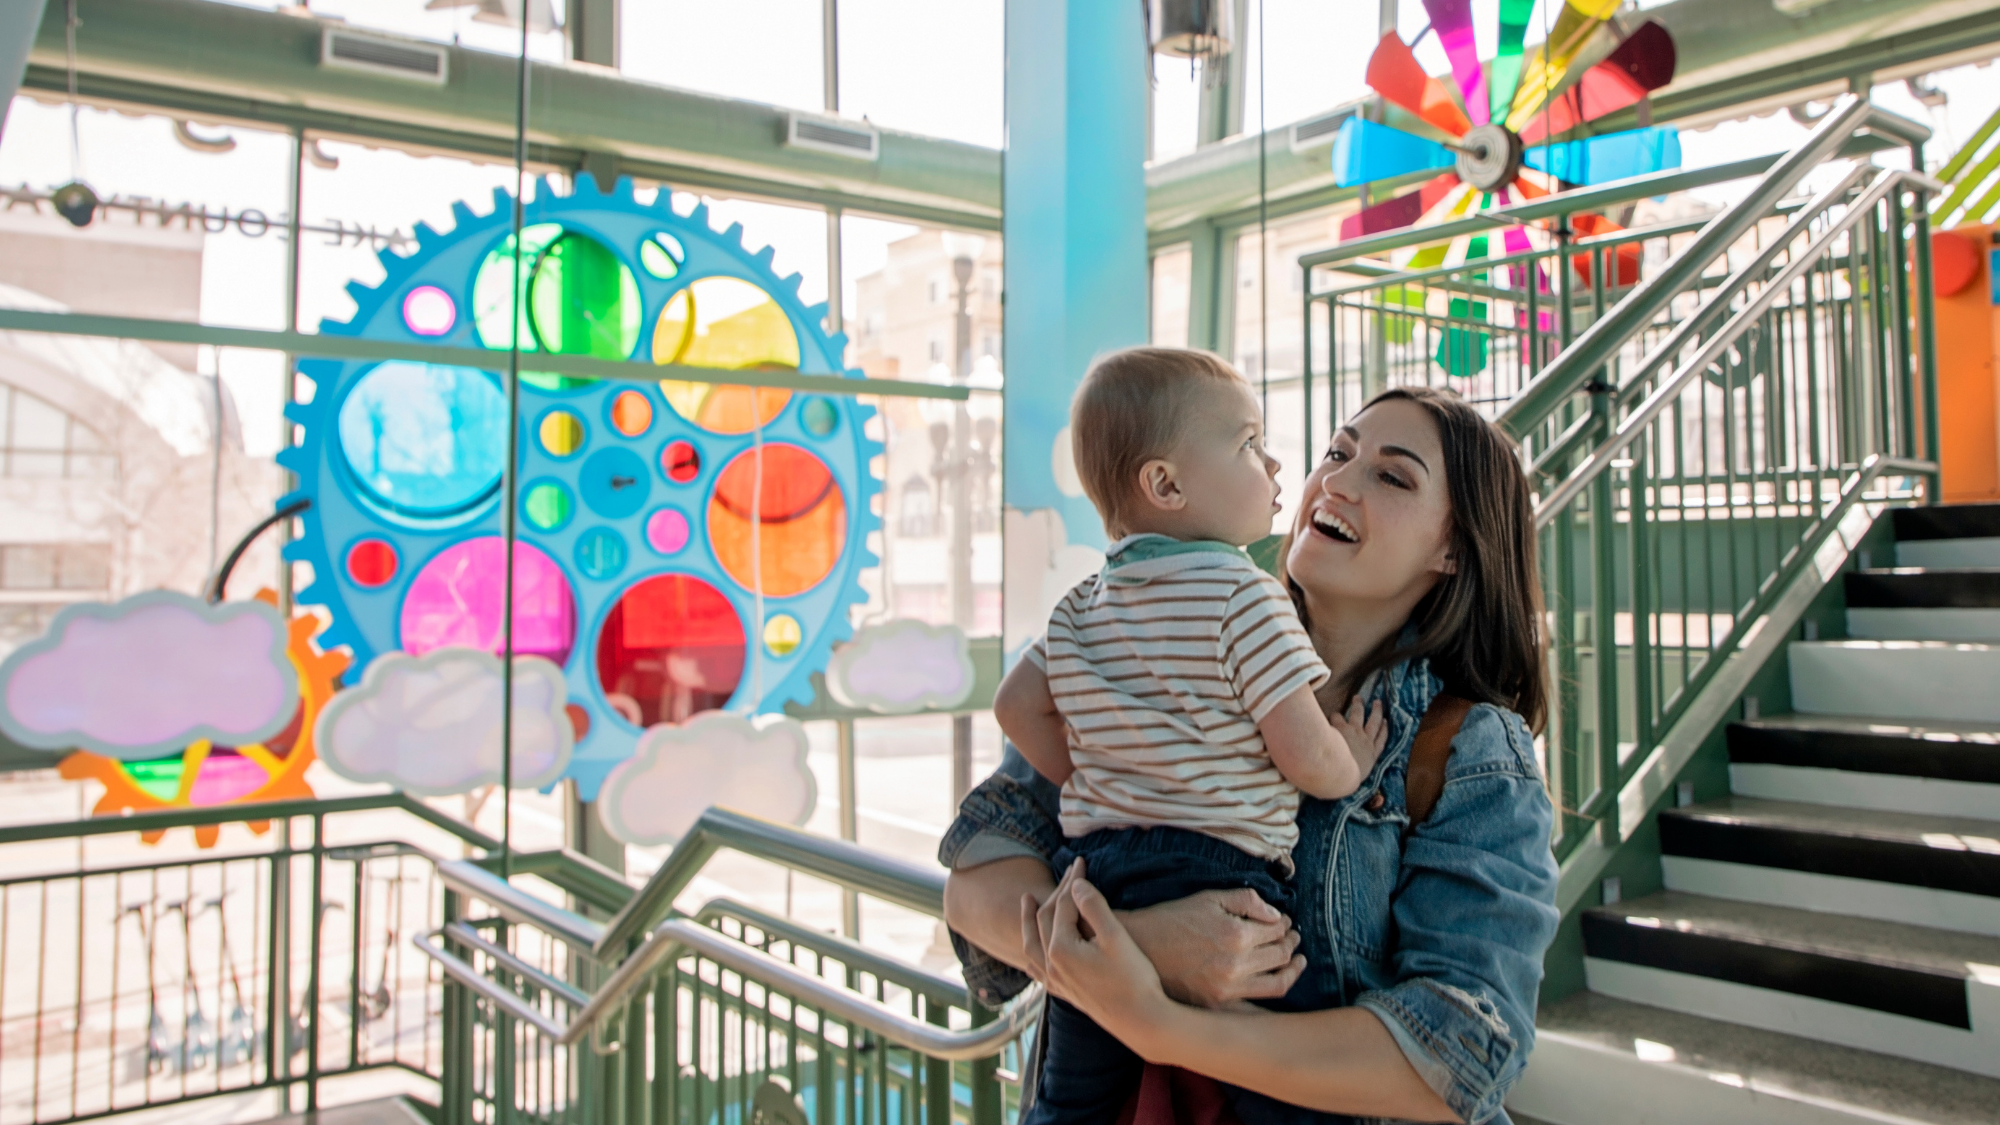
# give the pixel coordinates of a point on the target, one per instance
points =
(1480, 627)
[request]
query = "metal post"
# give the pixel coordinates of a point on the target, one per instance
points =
(850, 902)
(962, 607)
(296, 190)
(829, 44)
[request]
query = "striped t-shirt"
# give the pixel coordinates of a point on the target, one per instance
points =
(1162, 665)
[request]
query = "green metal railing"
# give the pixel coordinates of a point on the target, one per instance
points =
(1700, 404)
(724, 1015)
(144, 984)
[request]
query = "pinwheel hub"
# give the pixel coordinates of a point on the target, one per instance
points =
(1489, 156)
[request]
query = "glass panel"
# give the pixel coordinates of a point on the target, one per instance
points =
(37, 425)
(1279, 324)
(925, 67)
(28, 567)
(1172, 272)
(1319, 56)
(760, 50)
(483, 26)
(85, 568)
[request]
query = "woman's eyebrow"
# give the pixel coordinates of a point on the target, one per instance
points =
(1389, 450)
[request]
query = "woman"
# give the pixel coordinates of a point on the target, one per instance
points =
(1412, 564)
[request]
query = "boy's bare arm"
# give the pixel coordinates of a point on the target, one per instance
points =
(1324, 758)
(1027, 713)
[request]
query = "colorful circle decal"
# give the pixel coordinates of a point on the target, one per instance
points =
(818, 417)
(681, 461)
(371, 563)
(456, 599)
(671, 647)
(631, 413)
(429, 311)
(614, 482)
(561, 433)
(423, 440)
(801, 520)
(667, 531)
(600, 554)
(548, 505)
(782, 634)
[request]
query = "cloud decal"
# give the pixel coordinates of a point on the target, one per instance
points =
(1042, 565)
(902, 666)
(430, 724)
(678, 772)
(145, 676)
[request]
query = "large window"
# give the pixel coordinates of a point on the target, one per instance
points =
(40, 440)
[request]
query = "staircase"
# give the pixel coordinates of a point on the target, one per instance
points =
(1827, 946)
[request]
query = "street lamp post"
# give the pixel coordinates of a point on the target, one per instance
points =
(962, 607)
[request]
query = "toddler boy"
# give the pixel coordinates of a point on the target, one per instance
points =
(1173, 695)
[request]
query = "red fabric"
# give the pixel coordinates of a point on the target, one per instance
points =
(1172, 1096)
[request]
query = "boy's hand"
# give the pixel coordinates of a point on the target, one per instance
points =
(1366, 731)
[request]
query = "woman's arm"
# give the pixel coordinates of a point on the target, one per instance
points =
(1341, 1060)
(1211, 949)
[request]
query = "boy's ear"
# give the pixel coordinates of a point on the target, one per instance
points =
(1160, 485)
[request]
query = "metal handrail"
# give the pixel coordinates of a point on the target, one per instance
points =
(679, 935)
(1582, 358)
(850, 865)
(1635, 423)
(237, 814)
(518, 906)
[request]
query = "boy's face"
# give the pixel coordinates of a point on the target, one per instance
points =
(1228, 483)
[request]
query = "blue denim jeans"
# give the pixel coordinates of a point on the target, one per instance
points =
(1087, 1074)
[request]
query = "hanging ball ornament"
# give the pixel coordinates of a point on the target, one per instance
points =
(76, 202)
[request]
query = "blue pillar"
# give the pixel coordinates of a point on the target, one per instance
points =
(1075, 201)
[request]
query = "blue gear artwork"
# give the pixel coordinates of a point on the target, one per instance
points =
(648, 514)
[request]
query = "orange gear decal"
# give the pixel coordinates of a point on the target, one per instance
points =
(205, 775)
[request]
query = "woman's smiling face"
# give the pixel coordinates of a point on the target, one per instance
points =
(1374, 523)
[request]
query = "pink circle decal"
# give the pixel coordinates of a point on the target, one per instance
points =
(666, 531)
(429, 311)
(456, 598)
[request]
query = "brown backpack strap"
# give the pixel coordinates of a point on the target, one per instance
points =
(1424, 781)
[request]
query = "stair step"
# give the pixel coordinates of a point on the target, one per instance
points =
(1924, 588)
(1947, 521)
(1599, 1060)
(1977, 626)
(1904, 679)
(382, 1111)
(1902, 990)
(1977, 551)
(1940, 872)
(1946, 769)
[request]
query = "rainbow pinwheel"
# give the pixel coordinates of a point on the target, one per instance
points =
(1500, 122)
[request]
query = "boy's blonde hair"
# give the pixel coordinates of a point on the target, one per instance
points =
(1132, 407)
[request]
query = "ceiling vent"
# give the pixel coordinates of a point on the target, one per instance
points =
(400, 58)
(1318, 130)
(831, 134)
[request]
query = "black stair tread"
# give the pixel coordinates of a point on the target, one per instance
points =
(1948, 521)
(1762, 1059)
(1938, 749)
(1866, 941)
(1946, 853)
(1876, 824)
(1924, 588)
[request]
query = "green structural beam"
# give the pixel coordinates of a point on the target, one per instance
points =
(349, 347)
(221, 62)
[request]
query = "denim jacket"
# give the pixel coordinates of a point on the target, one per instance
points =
(1439, 931)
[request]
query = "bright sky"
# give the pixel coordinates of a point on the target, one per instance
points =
(906, 64)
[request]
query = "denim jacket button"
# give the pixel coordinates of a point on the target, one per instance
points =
(1374, 803)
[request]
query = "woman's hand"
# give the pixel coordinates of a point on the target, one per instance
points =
(1089, 959)
(1214, 949)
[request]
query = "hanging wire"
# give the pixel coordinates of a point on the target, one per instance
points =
(70, 24)
(757, 553)
(510, 476)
